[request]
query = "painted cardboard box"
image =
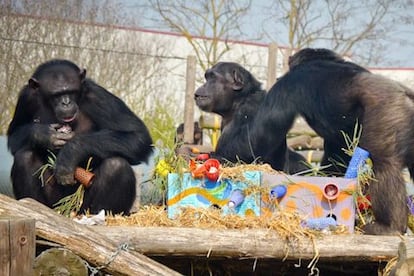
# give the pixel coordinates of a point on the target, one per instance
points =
(230, 196)
(312, 197)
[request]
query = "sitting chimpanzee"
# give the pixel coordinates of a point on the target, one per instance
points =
(233, 92)
(335, 96)
(60, 111)
(197, 137)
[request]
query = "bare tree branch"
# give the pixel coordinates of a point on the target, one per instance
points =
(360, 28)
(216, 19)
(109, 55)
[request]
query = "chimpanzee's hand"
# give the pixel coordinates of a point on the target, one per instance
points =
(65, 175)
(53, 136)
(188, 151)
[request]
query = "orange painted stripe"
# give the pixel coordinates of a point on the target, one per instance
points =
(200, 191)
(317, 191)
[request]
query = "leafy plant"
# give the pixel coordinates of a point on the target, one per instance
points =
(71, 203)
(50, 164)
(68, 204)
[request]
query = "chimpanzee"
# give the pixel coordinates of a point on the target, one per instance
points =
(62, 112)
(335, 97)
(197, 137)
(233, 93)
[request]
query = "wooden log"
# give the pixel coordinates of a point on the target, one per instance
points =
(317, 143)
(300, 142)
(251, 243)
(59, 261)
(300, 126)
(17, 245)
(82, 240)
(311, 156)
(97, 243)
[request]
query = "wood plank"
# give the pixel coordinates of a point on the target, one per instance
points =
(22, 245)
(5, 257)
(17, 245)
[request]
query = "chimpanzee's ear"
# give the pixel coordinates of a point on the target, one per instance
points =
(238, 83)
(33, 83)
(82, 74)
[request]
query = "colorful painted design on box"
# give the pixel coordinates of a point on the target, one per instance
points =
(230, 196)
(313, 197)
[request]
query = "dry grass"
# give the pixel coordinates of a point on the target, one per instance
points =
(286, 224)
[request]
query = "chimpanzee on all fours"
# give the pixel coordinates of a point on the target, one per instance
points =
(62, 112)
(233, 93)
(334, 95)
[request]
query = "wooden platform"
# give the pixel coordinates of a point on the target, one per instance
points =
(193, 251)
(258, 250)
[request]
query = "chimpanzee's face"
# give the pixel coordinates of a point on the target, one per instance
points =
(60, 89)
(217, 93)
(65, 105)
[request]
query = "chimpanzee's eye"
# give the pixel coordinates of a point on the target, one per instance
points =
(209, 75)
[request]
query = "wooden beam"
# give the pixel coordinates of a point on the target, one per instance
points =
(271, 65)
(189, 100)
(251, 243)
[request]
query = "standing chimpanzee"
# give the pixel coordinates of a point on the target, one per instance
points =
(233, 93)
(333, 96)
(62, 112)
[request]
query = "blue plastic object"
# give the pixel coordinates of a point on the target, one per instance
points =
(358, 159)
(236, 198)
(278, 191)
(320, 223)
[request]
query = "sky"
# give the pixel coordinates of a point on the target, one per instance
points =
(399, 48)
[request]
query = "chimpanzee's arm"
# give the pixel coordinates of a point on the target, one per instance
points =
(117, 132)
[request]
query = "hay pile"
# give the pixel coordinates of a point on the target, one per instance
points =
(287, 225)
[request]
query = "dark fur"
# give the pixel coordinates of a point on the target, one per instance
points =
(333, 95)
(103, 128)
(197, 137)
(233, 92)
(309, 54)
